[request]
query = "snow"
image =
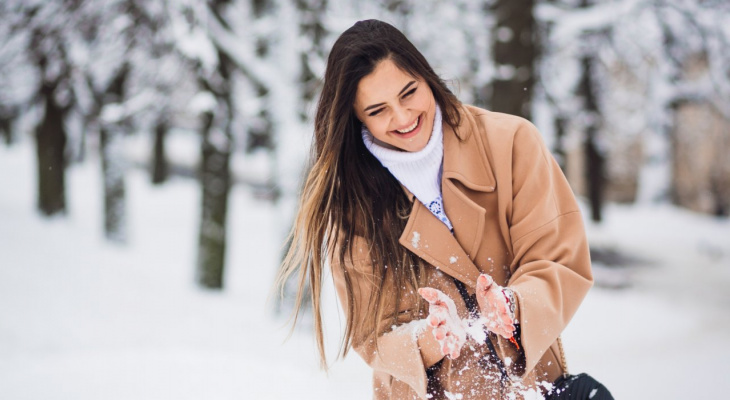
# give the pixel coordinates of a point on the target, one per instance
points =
(80, 318)
(84, 319)
(202, 102)
(475, 329)
(415, 240)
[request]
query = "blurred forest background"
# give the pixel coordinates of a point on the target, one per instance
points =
(632, 97)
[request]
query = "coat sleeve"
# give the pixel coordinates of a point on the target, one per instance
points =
(551, 270)
(398, 350)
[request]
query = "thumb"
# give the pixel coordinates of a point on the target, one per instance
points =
(484, 282)
(431, 295)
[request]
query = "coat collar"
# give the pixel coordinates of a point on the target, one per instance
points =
(467, 161)
(466, 165)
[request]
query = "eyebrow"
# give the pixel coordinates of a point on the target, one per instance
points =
(411, 83)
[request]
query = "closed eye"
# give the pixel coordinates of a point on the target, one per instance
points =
(405, 96)
(376, 112)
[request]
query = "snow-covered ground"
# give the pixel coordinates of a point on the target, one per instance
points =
(84, 319)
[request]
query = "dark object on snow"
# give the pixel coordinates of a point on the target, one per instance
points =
(578, 387)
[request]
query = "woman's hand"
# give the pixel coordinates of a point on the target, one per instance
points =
(448, 329)
(494, 307)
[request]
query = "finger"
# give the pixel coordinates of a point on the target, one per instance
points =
(454, 348)
(435, 296)
(506, 332)
(506, 319)
(429, 294)
(440, 333)
(434, 320)
(445, 348)
(484, 282)
(445, 301)
(439, 303)
(443, 315)
(502, 306)
(438, 309)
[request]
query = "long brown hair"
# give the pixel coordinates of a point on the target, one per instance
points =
(348, 193)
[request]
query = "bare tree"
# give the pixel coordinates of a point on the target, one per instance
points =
(48, 51)
(515, 53)
(215, 173)
(617, 73)
(594, 157)
(214, 72)
(112, 161)
(160, 165)
(8, 115)
(116, 37)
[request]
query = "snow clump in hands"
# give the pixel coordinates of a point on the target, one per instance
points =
(448, 329)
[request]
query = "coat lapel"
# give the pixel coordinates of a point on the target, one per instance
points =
(431, 240)
(466, 164)
(466, 168)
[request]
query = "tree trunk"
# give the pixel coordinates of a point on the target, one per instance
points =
(51, 149)
(215, 179)
(558, 149)
(514, 57)
(112, 164)
(311, 26)
(8, 115)
(215, 173)
(160, 167)
(594, 158)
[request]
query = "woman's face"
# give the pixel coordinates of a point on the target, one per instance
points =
(397, 108)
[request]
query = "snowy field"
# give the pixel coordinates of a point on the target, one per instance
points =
(84, 319)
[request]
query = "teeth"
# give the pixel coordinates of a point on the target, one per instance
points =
(410, 128)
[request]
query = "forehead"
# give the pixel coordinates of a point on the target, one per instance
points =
(385, 82)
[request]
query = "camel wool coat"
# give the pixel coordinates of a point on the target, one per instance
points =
(516, 219)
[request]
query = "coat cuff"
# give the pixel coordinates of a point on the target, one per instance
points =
(403, 360)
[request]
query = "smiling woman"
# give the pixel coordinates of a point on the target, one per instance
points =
(456, 245)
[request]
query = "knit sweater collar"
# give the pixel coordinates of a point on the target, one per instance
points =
(419, 171)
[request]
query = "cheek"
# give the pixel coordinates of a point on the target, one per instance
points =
(428, 100)
(377, 126)
(427, 94)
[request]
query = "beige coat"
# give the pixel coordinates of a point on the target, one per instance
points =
(516, 219)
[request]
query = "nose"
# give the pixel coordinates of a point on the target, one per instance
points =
(401, 118)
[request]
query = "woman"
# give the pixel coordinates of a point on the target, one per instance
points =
(418, 203)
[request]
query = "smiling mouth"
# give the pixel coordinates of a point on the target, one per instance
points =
(410, 128)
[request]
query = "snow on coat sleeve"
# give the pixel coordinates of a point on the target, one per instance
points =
(551, 270)
(393, 350)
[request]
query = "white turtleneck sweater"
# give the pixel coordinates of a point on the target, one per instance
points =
(419, 171)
